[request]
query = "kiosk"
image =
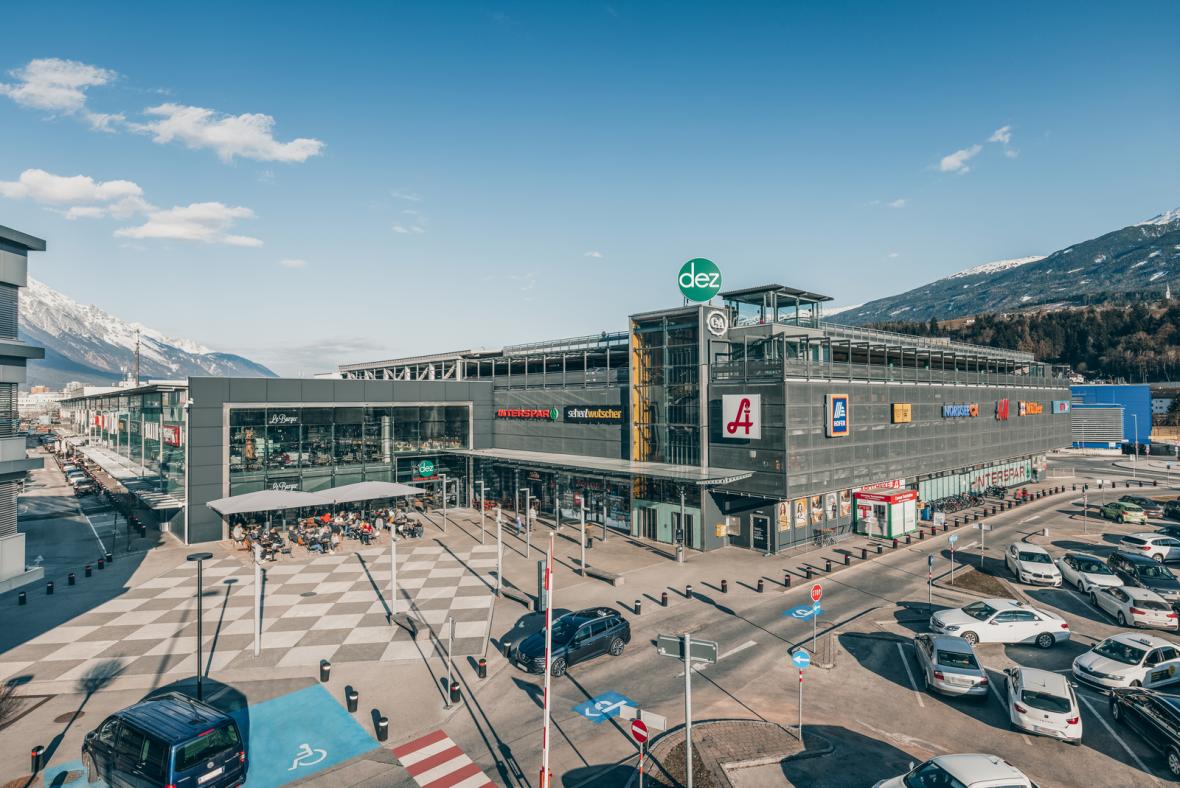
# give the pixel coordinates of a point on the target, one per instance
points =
(886, 514)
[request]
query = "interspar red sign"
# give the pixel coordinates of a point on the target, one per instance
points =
(534, 414)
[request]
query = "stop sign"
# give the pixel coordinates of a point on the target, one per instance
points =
(639, 731)
(817, 592)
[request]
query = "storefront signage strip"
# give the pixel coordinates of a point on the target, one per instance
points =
(536, 414)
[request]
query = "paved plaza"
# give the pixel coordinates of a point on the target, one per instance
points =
(333, 607)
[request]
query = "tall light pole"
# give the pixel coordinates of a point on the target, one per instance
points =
(444, 490)
(548, 658)
(1135, 458)
(200, 558)
(483, 489)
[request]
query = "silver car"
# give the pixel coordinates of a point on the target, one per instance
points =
(949, 665)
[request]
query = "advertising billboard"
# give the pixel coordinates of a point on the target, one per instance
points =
(741, 416)
(837, 421)
(903, 413)
(593, 414)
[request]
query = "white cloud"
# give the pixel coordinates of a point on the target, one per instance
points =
(403, 195)
(900, 202)
(1002, 135)
(893, 255)
(957, 161)
(1011, 153)
(291, 262)
(208, 222)
(594, 254)
(249, 136)
(412, 229)
(85, 197)
(57, 85)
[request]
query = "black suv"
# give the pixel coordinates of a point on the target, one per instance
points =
(171, 740)
(1144, 572)
(1172, 510)
(577, 637)
(1156, 717)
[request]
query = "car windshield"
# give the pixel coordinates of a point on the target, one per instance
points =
(981, 611)
(1035, 558)
(1045, 701)
(956, 659)
(1120, 652)
(1093, 567)
(208, 745)
(931, 775)
(1149, 604)
(1155, 571)
(564, 628)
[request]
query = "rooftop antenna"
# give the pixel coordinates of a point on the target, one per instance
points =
(137, 357)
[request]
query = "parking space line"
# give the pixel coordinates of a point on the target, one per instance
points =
(92, 529)
(1118, 738)
(905, 660)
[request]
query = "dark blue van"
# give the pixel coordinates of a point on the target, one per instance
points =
(171, 741)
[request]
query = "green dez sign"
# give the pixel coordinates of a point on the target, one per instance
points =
(425, 469)
(699, 279)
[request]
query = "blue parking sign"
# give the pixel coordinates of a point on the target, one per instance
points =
(602, 708)
(804, 612)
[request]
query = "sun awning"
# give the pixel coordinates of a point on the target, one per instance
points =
(267, 501)
(370, 491)
(686, 474)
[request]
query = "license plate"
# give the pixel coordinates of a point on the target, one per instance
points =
(1044, 730)
(204, 778)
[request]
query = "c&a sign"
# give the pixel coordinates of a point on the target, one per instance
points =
(741, 417)
(837, 422)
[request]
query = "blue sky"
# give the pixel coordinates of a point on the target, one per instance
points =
(445, 175)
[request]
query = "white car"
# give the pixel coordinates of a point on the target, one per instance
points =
(1134, 606)
(1043, 703)
(1085, 571)
(1131, 659)
(972, 770)
(1001, 621)
(1157, 546)
(1032, 564)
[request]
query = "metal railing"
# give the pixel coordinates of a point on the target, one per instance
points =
(760, 369)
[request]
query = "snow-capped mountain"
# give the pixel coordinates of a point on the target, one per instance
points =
(1136, 261)
(83, 342)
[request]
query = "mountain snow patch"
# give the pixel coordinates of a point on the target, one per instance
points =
(998, 265)
(1167, 217)
(1157, 275)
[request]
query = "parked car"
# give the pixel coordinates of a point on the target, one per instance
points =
(1043, 703)
(1032, 564)
(1123, 512)
(577, 637)
(85, 487)
(1131, 659)
(1085, 571)
(169, 740)
(1158, 547)
(1139, 570)
(1134, 606)
(1001, 621)
(1172, 510)
(1170, 530)
(1150, 507)
(949, 665)
(1155, 717)
(967, 770)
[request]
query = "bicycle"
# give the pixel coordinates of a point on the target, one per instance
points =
(823, 539)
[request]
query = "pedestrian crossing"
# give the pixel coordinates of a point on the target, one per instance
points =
(435, 761)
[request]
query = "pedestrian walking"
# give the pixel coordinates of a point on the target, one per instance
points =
(519, 525)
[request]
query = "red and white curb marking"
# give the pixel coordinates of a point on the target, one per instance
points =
(435, 761)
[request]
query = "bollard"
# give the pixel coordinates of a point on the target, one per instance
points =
(688, 591)
(382, 728)
(101, 563)
(895, 543)
(993, 510)
(908, 539)
(35, 758)
(663, 599)
(807, 572)
(879, 548)
(110, 558)
(22, 598)
(325, 671)
(786, 579)
(725, 586)
(481, 668)
(352, 697)
(71, 579)
(848, 558)
(760, 587)
(88, 570)
(638, 606)
(864, 553)
(1140, 482)
(1075, 488)
(956, 522)
(1155, 482)
(946, 527)
(455, 695)
(828, 565)
(49, 588)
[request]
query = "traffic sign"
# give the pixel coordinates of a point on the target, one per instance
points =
(639, 731)
(954, 538)
(817, 592)
(801, 659)
(700, 650)
(930, 561)
(602, 708)
(804, 612)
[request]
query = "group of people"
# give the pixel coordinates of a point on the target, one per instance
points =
(326, 532)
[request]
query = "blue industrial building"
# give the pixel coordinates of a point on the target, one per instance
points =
(1107, 416)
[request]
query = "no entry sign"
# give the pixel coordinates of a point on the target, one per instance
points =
(639, 731)
(817, 592)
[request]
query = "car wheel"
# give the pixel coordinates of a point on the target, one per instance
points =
(616, 647)
(1158, 557)
(1121, 520)
(1122, 619)
(1045, 640)
(1093, 599)
(557, 669)
(1116, 711)
(1135, 684)
(970, 637)
(1174, 761)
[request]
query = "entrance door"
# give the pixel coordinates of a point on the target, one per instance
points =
(761, 526)
(688, 535)
(647, 522)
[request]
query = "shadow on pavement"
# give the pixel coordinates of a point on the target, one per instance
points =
(223, 697)
(856, 760)
(96, 679)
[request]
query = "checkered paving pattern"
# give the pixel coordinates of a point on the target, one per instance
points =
(332, 607)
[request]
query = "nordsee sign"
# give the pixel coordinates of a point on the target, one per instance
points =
(960, 410)
(699, 279)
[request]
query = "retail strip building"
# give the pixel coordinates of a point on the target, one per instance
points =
(754, 423)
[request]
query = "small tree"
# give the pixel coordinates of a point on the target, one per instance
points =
(933, 327)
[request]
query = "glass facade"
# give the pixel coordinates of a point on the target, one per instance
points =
(314, 448)
(665, 390)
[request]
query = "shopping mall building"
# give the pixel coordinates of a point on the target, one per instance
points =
(752, 423)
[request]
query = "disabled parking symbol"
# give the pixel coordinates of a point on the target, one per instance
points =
(307, 757)
(602, 708)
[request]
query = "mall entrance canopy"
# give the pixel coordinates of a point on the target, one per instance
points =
(268, 501)
(369, 491)
(679, 474)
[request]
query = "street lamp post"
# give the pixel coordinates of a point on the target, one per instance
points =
(1135, 458)
(200, 558)
(444, 497)
(482, 507)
